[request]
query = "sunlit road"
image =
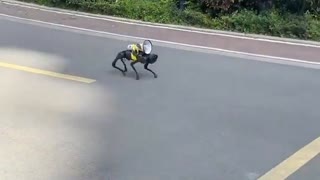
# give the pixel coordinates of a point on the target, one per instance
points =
(206, 117)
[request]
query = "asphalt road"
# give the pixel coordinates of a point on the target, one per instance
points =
(206, 117)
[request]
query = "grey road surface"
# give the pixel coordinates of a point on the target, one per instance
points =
(206, 117)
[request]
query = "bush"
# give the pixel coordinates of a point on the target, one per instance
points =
(193, 18)
(271, 23)
(313, 27)
(154, 11)
(99, 7)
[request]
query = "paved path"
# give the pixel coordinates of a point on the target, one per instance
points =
(206, 117)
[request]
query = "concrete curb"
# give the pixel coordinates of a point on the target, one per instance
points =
(174, 27)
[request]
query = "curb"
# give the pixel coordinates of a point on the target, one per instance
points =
(170, 26)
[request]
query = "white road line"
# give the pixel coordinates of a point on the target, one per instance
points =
(165, 27)
(165, 42)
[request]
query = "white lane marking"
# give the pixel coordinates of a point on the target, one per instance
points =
(165, 42)
(165, 27)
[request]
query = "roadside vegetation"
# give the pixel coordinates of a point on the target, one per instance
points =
(298, 19)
